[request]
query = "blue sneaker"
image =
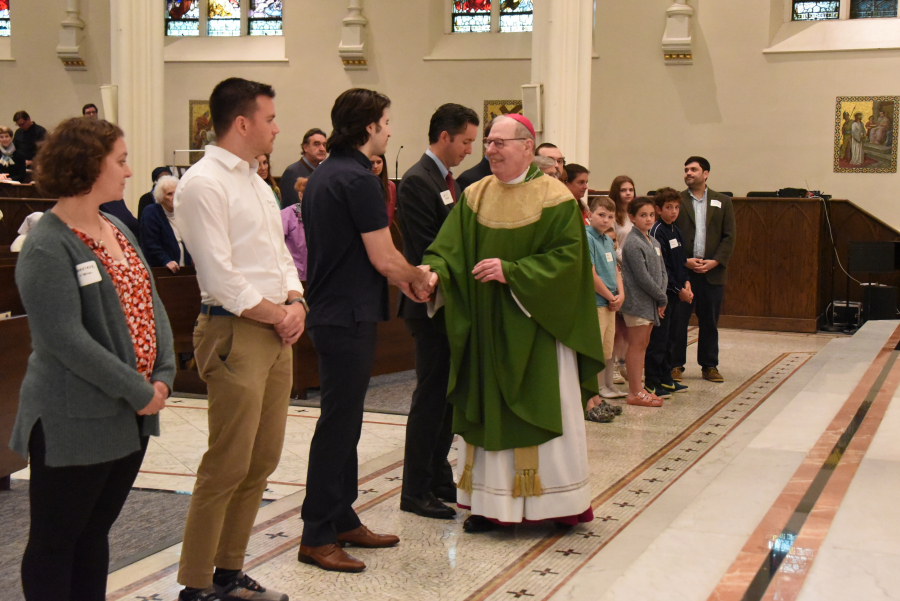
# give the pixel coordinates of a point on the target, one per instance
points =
(673, 386)
(658, 390)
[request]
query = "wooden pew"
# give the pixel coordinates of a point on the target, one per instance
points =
(9, 293)
(15, 346)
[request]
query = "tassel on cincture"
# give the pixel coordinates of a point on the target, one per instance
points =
(527, 482)
(465, 479)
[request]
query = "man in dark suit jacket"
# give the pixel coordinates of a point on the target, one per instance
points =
(426, 195)
(708, 258)
(314, 152)
(479, 171)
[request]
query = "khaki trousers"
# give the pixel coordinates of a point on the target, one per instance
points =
(248, 375)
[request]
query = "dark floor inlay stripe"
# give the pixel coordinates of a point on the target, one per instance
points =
(785, 541)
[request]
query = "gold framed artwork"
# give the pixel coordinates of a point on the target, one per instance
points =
(200, 128)
(495, 108)
(865, 134)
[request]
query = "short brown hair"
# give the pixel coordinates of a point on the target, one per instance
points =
(353, 111)
(70, 159)
(603, 201)
(235, 97)
(21, 115)
(638, 203)
(664, 195)
(5, 130)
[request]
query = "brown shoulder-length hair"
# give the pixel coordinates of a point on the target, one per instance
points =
(385, 180)
(614, 192)
(70, 159)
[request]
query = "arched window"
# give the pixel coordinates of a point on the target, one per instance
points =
(804, 10)
(516, 15)
(4, 18)
(872, 9)
(471, 16)
(485, 16)
(223, 18)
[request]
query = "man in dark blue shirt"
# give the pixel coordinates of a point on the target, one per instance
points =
(351, 259)
(657, 367)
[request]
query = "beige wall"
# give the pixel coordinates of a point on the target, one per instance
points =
(36, 80)
(399, 35)
(764, 122)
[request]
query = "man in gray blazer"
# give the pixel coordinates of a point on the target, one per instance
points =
(426, 195)
(706, 221)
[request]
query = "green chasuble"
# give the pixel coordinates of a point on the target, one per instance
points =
(504, 377)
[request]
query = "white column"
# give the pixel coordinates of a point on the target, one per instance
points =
(137, 73)
(561, 61)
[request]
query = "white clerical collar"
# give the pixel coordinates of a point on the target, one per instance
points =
(519, 179)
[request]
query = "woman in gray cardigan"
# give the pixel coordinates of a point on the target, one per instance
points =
(101, 368)
(644, 278)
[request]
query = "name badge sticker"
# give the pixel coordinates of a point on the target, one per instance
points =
(656, 248)
(673, 243)
(447, 197)
(87, 273)
(715, 203)
(609, 258)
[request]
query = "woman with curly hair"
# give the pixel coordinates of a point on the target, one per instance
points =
(101, 368)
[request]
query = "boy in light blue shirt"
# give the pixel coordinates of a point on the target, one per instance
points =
(609, 294)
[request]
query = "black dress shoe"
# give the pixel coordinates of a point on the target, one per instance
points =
(446, 493)
(478, 523)
(427, 506)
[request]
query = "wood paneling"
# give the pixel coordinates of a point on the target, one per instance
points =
(15, 210)
(780, 276)
(15, 347)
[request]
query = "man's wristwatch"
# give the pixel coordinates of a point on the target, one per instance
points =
(298, 299)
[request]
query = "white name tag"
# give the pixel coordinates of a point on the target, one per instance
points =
(673, 243)
(715, 203)
(447, 197)
(656, 248)
(87, 273)
(609, 258)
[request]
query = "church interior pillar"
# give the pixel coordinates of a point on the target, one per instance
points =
(561, 48)
(137, 74)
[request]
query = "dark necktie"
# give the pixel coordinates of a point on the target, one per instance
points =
(451, 185)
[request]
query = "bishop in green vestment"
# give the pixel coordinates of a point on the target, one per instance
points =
(516, 296)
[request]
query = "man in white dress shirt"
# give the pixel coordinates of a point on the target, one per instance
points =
(253, 311)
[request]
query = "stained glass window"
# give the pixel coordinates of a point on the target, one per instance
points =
(4, 18)
(182, 17)
(872, 9)
(516, 15)
(224, 18)
(265, 17)
(816, 11)
(472, 16)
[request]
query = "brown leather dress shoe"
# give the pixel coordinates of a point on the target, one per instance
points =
(363, 537)
(330, 557)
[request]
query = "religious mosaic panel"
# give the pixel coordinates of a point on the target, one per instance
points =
(265, 17)
(4, 18)
(182, 17)
(200, 128)
(471, 16)
(816, 11)
(516, 16)
(224, 18)
(865, 134)
(872, 9)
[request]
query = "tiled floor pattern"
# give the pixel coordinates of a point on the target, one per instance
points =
(436, 560)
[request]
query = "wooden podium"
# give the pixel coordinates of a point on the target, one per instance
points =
(780, 275)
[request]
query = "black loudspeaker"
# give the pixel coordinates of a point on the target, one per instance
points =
(879, 302)
(874, 257)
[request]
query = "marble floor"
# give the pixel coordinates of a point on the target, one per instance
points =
(777, 484)
(698, 500)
